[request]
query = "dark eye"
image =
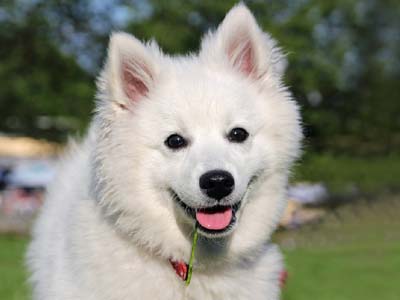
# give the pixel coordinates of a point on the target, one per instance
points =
(238, 135)
(175, 141)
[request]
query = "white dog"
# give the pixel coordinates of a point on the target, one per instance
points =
(177, 145)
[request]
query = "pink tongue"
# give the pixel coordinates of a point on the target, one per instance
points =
(216, 220)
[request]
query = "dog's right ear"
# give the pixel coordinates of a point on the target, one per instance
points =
(130, 69)
(240, 43)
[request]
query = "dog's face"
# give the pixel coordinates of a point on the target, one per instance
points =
(204, 140)
(210, 146)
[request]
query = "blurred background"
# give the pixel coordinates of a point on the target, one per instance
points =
(341, 231)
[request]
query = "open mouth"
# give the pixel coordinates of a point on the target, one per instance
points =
(211, 221)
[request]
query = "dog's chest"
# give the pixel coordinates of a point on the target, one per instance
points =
(152, 280)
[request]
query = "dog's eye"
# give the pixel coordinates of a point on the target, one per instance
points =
(175, 141)
(238, 135)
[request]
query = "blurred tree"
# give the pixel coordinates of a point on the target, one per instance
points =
(43, 92)
(50, 52)
(343, 55)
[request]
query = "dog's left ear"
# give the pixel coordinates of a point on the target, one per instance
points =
(240, 43)
(131, 69)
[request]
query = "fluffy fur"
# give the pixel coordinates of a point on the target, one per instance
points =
(110, 225)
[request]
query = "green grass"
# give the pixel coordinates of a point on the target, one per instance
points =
(354, 254)
(13, 284)
(343, 273)
(344, 173)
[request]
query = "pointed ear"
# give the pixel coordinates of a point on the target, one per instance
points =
(131, 69)
(241, 43)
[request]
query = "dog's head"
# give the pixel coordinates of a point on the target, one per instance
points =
(202, 140)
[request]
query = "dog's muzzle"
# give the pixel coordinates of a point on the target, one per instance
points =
(211, 221)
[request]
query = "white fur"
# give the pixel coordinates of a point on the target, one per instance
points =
(109, 225)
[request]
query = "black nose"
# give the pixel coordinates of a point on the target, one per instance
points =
(217, 184)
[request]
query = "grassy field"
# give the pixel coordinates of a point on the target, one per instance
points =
(353, 255)
(13, 284)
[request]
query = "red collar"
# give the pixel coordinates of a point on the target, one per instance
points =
(283, 278)
(181, 269)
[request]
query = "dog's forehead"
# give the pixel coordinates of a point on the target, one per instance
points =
(200, 93)
(197, 100)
